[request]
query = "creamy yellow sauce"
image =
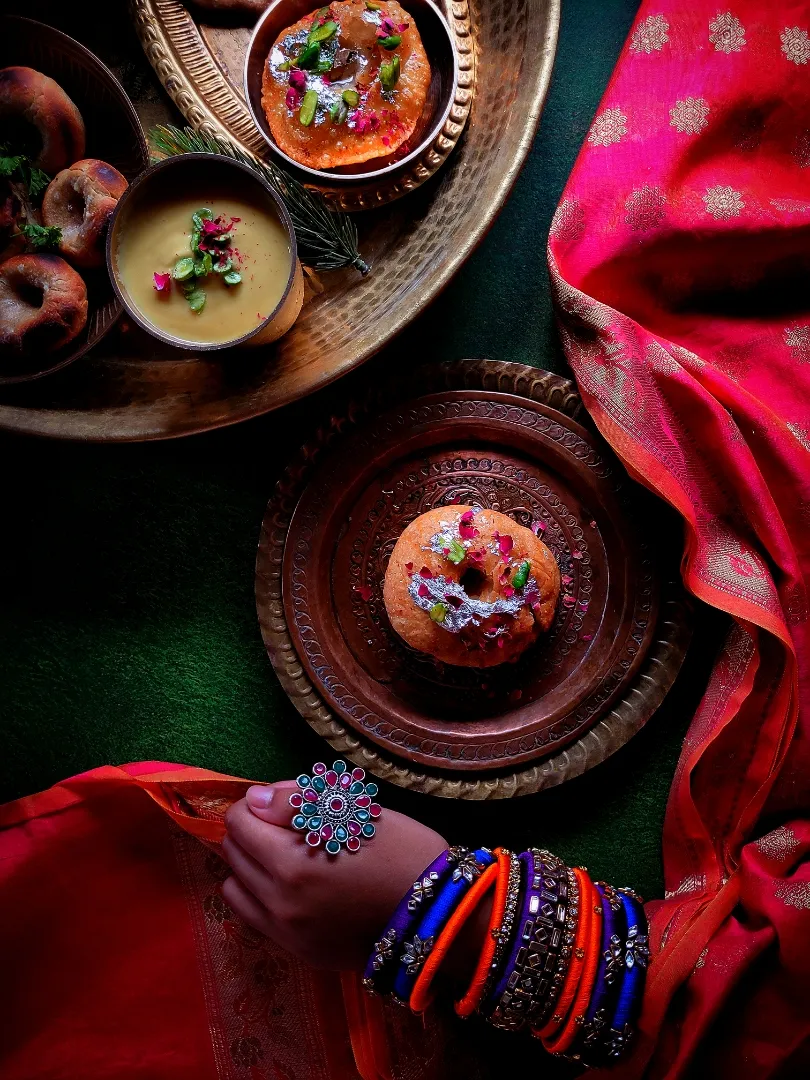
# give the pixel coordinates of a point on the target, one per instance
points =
(156, 233)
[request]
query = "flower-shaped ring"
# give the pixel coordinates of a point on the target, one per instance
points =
(335, 807)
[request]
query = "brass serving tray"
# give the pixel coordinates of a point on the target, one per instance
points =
(131, 388)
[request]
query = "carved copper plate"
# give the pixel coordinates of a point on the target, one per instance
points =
(507, 452)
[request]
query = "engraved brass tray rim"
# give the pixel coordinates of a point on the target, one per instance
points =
(613, 730)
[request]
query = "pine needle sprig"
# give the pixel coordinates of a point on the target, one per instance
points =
(327, 238)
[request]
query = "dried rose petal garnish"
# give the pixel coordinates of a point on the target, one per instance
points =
(364, 591)
(424, 591)
(566, 579)
(409, 567)
(298, 80)
(537, 527)
(505, 543)
(425, 572)
(569, 601)
(163, 282)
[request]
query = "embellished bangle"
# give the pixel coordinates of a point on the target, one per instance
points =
(382, 964)
(576, 964)
(589, 1046)
(562, 1042)
(505, 933)
(417, 948)
(467, 1004)
(547, 1008)
(537, 944)
(421, 995)
(636, 958)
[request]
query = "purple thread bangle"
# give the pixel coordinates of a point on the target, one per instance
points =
(605, 995)
(383, 962)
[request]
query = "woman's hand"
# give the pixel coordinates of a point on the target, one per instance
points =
(327, 910)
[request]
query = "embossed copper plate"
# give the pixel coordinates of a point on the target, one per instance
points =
(482, 444)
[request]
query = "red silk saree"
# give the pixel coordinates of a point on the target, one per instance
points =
(679, 259)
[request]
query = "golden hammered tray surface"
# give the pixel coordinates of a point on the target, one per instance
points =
(131, 388)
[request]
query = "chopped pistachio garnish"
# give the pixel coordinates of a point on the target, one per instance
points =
(389, 73)
(390, 42)
(222, 266)
(200, 216)
(308, 107)
(372, 6)
(183, 269)
(338, 112)
(351, 97)
(521, 575)
(233, 277)
(438, 612)
(457, 552)
(310, 57)
(195, 296)
(322, 33)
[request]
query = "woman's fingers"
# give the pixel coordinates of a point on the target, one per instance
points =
(243, 903)
(271, 802)
(250, 872)
(268, 844)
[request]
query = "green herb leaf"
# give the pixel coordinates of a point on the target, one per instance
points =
(200, 216)
(308, 60)
(351, 97)
(233, 277)
(9, 164)
(37, 181)
(41, 237)
(389, 73)
(322, 33)
(323, 66)
(457, 552)
(183, 269)
(222, 266)
(308, 107)
(338, 112)
(196, 300)
(390, 42)
(438, 612)
(521, 575)
(287, 64)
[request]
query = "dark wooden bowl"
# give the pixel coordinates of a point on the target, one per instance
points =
(114, 134)
(354, 495)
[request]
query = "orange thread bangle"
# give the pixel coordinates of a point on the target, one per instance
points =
(578, 955)
(577, 1015)
(420, 995)
(467, 1005)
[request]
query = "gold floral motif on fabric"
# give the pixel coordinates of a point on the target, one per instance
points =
(651, 35)
(689, 115)
(795, 44)
(779, 844)
(723, 202)
(794, 894)
(608, 128)
(568, 223)
(644, 208)
(727, 33)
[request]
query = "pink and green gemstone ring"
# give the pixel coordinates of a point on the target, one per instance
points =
(335, 807)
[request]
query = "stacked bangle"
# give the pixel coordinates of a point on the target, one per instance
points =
(421, 995)
(470, 1001)
(416, 949)
(562, 955)
(382, 964)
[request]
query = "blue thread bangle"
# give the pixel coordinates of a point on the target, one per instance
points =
(635, 960)
(417, 948)
(607, 988)
(381, 966)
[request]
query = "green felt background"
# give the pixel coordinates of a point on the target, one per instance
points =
(128, 628)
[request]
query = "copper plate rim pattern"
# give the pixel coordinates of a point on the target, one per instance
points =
(610, 733)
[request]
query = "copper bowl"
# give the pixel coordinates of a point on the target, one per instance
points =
(171, 172)
(114, 134)
(438, 41)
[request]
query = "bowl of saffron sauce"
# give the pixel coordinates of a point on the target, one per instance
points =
(202, 254)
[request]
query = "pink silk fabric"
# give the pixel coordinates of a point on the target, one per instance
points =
(679, 258)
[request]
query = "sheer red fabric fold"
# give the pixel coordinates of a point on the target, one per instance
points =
(679, 260)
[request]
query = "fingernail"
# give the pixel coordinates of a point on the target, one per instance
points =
(260, 797)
